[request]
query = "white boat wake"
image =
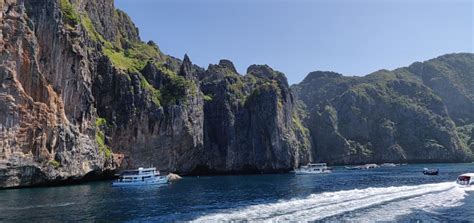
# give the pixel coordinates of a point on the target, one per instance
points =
(381, 204)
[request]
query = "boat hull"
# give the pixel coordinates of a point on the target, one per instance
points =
(297, 172)
(159, 181)
(431, 173)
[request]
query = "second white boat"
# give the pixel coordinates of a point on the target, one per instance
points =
(313, 168)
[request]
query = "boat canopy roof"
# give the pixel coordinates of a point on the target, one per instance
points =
(317, 164)
(147, 169)
(138, 171)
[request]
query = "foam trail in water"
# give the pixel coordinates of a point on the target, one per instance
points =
(428, 203)
(324, 205)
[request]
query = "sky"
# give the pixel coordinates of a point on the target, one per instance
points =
(352, 37)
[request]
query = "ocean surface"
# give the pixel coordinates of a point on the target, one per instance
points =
(386, 194)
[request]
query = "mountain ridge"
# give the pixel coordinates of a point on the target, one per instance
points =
(330, 88)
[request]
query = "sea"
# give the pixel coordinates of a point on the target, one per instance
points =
(400, 194)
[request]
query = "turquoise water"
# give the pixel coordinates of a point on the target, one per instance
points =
(386, 194)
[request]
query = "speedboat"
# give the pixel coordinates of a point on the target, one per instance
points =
(465, 179)
(363, 167)
(427, 171)
(140, 177)
(370, 166)
(388, 165)
(313, 168)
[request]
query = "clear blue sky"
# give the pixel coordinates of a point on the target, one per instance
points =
(299, 36)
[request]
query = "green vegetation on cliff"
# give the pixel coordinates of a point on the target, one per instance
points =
(100, 122)
(70, 15)
(207, 97)
(54, 163)
(466, 134)
(237, 89)
(154, 93)
(90, 29)
(298, 124)
(176, 89)
(132, 59)
(100, 138)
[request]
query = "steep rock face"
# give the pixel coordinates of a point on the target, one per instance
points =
(250, 121)
(452, 78)
(46, 113)
(114, 25)
(168, 136)
(149, 112)
(387, 116)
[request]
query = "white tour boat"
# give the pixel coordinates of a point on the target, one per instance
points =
(142, 176)
(466, 179)
(313, 168)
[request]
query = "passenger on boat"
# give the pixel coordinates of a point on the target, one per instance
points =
(463, 180)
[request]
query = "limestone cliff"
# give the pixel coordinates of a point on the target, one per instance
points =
(251, 121)
(47, 109)
(83, 95)
(405, 115)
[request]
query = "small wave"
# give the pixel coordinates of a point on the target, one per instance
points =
(37, 206)
(328, 204)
